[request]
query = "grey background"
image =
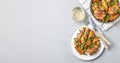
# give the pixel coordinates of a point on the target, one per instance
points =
(38, 31)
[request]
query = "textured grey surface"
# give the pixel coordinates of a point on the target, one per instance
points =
(38, 31)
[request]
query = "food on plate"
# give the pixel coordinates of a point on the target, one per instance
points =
(86, 42)
(105, 10)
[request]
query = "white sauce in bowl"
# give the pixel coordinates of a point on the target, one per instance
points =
(78, 14)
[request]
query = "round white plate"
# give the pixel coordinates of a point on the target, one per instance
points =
(84, 57)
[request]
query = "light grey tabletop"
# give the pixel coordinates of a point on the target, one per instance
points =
(38, 31)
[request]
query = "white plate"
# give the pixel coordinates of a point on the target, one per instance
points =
(85, 57)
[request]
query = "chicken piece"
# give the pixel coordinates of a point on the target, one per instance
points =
(79, 36)
(104, 3)
(96, 46)
(83, 38)
(91, 34)
(88, 44)
(113, 9)
(95, 40)
(99, 14)
(79, 50)
(94, 50)
(86, 31)
(90, 51)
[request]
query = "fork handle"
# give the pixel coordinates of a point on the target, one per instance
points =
(104, 38)
(105, 45)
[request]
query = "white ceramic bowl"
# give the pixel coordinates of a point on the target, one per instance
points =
(82, 11)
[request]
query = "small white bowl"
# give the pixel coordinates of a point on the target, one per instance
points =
(83, 14)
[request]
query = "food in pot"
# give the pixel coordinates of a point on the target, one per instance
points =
(105, 10)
